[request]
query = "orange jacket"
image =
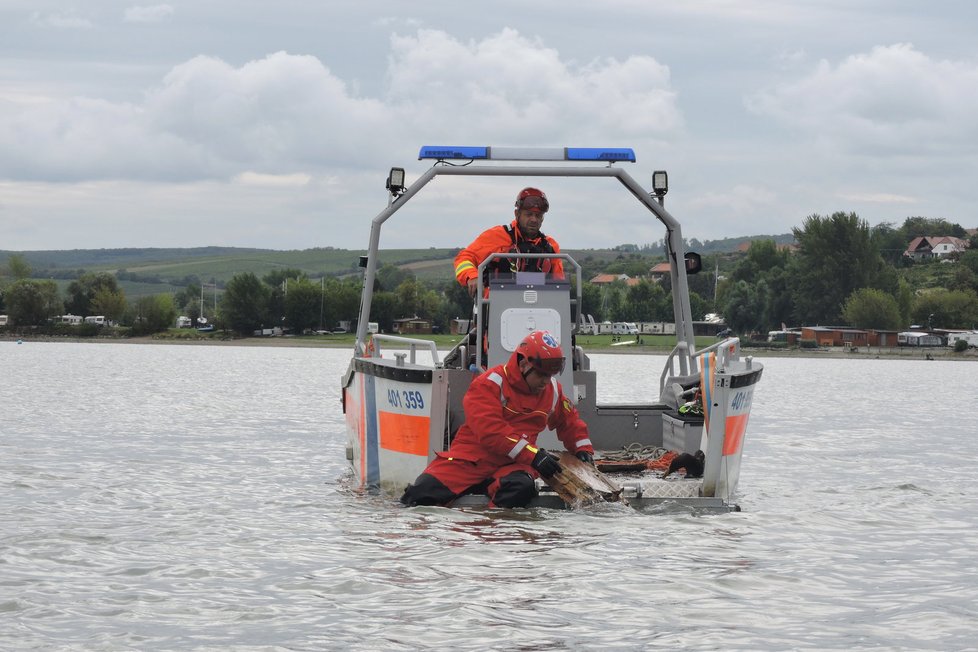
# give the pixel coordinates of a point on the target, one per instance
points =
(498, 240)
(503, 418)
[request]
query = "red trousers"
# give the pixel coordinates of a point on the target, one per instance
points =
(459, 477)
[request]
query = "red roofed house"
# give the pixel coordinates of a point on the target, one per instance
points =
(608, 279)
(929, 246)
(660, 271)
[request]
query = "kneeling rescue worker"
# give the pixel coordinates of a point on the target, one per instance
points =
(495, 452)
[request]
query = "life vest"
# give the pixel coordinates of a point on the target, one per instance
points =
(509, 266)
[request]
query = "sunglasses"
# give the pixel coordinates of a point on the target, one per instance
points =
(538, 203)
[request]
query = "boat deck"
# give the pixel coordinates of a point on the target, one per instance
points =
(641, 489)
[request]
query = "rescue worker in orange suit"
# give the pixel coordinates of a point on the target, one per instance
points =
(523, 235)
(495, 451)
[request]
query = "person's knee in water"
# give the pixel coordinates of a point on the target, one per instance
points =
(427, 490)
(514, 490)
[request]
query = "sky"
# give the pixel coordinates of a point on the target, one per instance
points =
(274, 124)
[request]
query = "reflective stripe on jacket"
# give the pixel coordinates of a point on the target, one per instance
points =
(497, 240)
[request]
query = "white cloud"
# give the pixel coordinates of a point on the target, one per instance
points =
(273, 180)
(739, 200)
(508, 89)
(392, 21)
(102, 124)
(892, 100)
(207, 119)
(61, 20)
(286, 113)
(148, 14)
(877, 198)
(790, 59)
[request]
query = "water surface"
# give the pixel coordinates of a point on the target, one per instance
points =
(197, 497)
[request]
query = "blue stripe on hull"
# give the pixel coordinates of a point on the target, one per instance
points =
(372, 451)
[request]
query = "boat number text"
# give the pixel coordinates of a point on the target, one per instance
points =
(412, 400)
(741, 401)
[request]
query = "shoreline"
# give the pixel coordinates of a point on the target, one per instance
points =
(861, 353)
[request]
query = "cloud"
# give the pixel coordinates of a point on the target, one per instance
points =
(289, 114)
(893, 100)
(877, 198)
(396, 21)
(790, 59)
(509, 89)
(275, 115)
(206, 120)
(148, 14)
(273, 180)
(61, 20)
(740, 200)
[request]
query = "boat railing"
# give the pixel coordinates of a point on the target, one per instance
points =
(483, 299)
(669, 369)
(493, 256)
(412, 342)
(525, 166)
(727, 349)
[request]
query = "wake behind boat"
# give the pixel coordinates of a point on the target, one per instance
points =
(400, 411)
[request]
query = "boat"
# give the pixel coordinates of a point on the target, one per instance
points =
(402, 399)
(202, 325)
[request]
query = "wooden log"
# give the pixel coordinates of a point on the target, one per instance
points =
(579, 484)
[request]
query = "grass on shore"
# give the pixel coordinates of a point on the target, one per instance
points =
(650, 344)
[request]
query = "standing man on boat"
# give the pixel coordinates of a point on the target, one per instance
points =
(522, 235)
(495, 450)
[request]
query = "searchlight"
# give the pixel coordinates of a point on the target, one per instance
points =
(600, 154)
(660, 186)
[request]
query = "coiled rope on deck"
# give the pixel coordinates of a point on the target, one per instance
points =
(654, 458)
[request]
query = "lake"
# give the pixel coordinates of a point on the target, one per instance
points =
(198, 498)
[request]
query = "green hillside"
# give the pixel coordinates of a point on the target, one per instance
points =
(144, 271)
(210, 264)
(116, 258)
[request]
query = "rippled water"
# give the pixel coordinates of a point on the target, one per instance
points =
(197, 497)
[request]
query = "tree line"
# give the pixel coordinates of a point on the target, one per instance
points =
(36, 303)
(844, 273)
(290, 299)
(841, 272)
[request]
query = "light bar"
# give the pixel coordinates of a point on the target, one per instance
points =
(440, 153)
(601, 154)
(606, 154)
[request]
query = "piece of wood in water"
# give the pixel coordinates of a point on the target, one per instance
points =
(579, 484)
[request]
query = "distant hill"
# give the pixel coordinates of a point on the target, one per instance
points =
(115, 258)
(140, 270)
(210, 263)
(728, 245)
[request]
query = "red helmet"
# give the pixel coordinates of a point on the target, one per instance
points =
(541, 350)
(532, 198)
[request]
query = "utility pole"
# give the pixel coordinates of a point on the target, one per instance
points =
(322, 299)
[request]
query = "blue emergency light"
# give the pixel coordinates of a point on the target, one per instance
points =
(441, 153)
(605, 154)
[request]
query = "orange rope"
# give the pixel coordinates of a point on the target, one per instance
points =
(662, 463)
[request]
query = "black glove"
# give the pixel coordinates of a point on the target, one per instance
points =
(585, 457)
(545, 464)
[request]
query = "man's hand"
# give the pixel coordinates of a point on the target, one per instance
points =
(472, 286)
(585, 457)
(545, 464)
